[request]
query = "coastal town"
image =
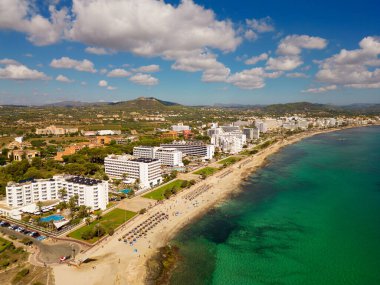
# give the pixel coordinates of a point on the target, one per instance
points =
(107, 199)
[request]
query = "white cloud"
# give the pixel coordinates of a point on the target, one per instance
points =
(293, 44)
(297, 75)
(219, 74)
(250, 35)
(98, 50)
(111, 88)
(251, 78)
(144, 79)
(21, 72)
(103, 71)
(148, 68)
(63, 78)
(162, 27)
(284, 63)
(80, 65)
(103, 83)
(8, 61)
(20, 15)
(320, 89)
(262, 25)
(169, 31)
(353, 68)
(118, 72)
(256, 59)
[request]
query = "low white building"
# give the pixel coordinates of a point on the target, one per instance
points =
(146, 170)
(91, 192)
(167, 156)
(180, 127)
(108, 132)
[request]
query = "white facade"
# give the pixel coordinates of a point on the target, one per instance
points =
(228, 138)
(146, 170)
(180, 127)
(108, 132)
(92, 193)
(167, 156)
(251, 133)
(144, 151)
(205, 151)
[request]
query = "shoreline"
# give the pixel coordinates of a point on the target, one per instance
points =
(116, 262)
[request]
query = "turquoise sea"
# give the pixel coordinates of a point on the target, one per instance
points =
(310, 216)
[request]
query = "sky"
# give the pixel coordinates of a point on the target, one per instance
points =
(193, 52)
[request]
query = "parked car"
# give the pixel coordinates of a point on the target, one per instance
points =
(5, 224)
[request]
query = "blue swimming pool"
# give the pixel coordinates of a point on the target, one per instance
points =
(52, 218)
(125, 191)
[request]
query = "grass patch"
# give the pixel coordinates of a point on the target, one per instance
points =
(229, 160)
(109, 222)
(207, 171)
(158, 194)
(10, 255)
(4, 244)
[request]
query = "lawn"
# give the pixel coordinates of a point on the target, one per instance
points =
(207, 171)
(158, 194)
(229, 160)
(109, 221)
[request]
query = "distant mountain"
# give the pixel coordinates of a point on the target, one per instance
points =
(145, 103)
(141, 102)
(308, 108)
(232, 105)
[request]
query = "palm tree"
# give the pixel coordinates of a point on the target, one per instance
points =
(62, 193)
(88, 221)
(98, 214)
(39, 205)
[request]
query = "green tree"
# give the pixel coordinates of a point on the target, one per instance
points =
(62, 193)
(39, 204)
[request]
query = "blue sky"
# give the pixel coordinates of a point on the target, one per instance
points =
(191, 52)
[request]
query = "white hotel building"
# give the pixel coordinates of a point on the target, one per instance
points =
(167, 156)
(91, 192)
(229, 139)
(205, 151)
(146, 170)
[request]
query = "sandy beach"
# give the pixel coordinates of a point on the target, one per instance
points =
(117, 262)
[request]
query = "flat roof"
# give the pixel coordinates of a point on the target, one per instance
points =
(83, 180)
(144, 160)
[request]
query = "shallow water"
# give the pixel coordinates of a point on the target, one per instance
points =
(311, 216)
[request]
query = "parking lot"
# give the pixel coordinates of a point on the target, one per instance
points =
(20, 230)
(50, 252)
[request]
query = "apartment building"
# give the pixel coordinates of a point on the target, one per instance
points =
(145, 170)
(53, 130)
(91, 192)
(167, 156)
(251, 133)
(229, 139)
(193, 148)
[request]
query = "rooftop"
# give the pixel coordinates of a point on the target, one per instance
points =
(144, 160)
(83, 180)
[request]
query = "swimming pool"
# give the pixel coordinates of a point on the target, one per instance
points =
(52, 218)
(125, 191)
